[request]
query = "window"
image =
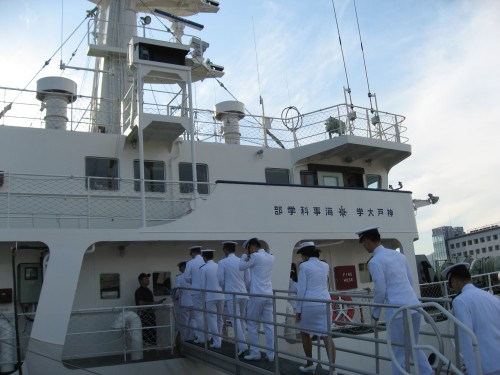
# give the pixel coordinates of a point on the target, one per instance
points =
(469, 242)
(490, 248)
(308, 178)
(110, 285)
(186, 174)
(364, 274)
(105, 172)
(471, 252)
(161, 284)
(477, 251)
(463, 243)
(497, 247)
(153, 170)
(483, 249)
(453, 246)
(482, 239)
(488, 238)
(495, 236)
(373, 181)
(277, 176)
(476, 240)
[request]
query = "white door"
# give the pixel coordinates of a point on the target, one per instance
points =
(330, 179)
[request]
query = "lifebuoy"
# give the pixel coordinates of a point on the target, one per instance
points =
(342, 312)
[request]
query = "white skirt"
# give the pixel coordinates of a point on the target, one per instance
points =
(313, 319)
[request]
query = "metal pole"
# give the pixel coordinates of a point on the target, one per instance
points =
(275, 333)
(14, 291)
(377, 354)
(141, 144)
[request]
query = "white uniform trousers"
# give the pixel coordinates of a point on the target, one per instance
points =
(260, 308)
(239, 324)
(197, 321)
(185, 318)
(398, 336)
(214, 320)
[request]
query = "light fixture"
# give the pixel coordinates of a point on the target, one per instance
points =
(417, 203)
(146, 20)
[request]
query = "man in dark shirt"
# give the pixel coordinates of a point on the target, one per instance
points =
(144, 296)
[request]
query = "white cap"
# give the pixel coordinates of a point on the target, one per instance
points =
(195, 248)
(360, 232)
(229, 243)
(446, 271)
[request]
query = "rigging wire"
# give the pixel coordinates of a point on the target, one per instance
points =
(342, 51)
(363, 53)
(47, 62)
(257, 61)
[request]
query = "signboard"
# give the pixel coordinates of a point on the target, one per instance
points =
(345, 277)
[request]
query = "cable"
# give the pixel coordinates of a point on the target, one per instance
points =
(363, 53)
(342, 51)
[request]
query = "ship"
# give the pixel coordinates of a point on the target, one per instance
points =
(98, 187)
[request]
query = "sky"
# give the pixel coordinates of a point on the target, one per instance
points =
(436, 62)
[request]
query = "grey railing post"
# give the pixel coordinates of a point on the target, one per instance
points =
(275, 333)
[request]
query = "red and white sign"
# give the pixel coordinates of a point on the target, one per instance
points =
(345, 277)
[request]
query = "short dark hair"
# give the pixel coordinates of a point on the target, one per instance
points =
(372, 235)
(195, 250)
(231, 247)
(208, 254)
(460, 273)
(253, 242)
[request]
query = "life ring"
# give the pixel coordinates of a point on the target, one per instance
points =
(342, 312)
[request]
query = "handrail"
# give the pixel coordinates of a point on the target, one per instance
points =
(415, 347)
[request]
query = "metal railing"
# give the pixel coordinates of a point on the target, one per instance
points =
(92, 202)
(126, 331)
(294, 131)
(349, 334)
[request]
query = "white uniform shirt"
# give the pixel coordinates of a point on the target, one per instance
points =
(292, 287)
(209, 281)
(192, 273)
(260, 264)
(185, 299)
(312, 283)
(480, 311)
(392, 279)
(231, 279)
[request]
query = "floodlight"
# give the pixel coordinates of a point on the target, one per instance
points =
(146, 20)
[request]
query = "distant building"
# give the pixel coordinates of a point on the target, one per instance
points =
(439, 241)
(478, 243)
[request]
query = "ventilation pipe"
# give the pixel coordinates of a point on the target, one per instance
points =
(131, 321)
(56, 93)
(230, 112)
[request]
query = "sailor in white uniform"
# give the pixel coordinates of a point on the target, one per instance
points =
(393, 284)
(214, 301)
(480, 311)
(192, 277)
(232, 280)
(260, 263)
(185, 303)
(313, 316)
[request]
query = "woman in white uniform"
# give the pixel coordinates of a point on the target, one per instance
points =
(313, 316)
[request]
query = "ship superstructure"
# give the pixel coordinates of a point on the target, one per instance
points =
(82, 213)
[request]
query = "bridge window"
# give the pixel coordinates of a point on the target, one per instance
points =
(161, 284)
(110, 285)
(104, 172)
(153, 171)
(364, 274)
(308, 178)
(277, 176)
(373, 181)
(186, 174)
